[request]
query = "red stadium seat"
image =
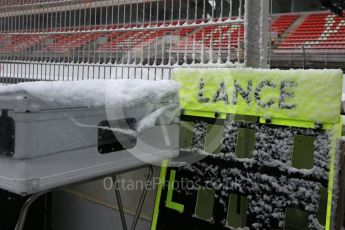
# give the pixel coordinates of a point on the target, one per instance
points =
(318, 31)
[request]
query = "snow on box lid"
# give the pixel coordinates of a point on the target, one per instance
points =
(91, 93)
(301, 95)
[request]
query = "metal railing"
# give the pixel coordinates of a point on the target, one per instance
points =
(76, 40)
(307, 58)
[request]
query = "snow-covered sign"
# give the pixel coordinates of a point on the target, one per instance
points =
(275, 94)
(269, 144)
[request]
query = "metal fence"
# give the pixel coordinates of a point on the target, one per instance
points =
(85, 39)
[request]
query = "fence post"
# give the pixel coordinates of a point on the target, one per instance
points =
(256, 19)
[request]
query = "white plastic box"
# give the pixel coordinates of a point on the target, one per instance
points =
(46, 144)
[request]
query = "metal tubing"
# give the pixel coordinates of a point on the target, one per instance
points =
(119, 203)
(142, 197)
(24, 211)
(140, 204)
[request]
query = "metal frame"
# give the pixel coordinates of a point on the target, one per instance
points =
(24, 210)
(140, 204)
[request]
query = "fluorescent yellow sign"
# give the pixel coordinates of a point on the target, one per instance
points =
(302, 95)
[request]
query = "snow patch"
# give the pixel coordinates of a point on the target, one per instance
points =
(95, 93)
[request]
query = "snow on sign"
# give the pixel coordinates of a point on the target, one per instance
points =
(269, 146)
(293, 94)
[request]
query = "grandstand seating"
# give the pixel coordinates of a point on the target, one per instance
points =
(126, 40)
(193, 39)
(15, 43)
(72, 42)
(317, 31)
(123, 41)
(282, 22)
(221, 36)
(25, 2)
